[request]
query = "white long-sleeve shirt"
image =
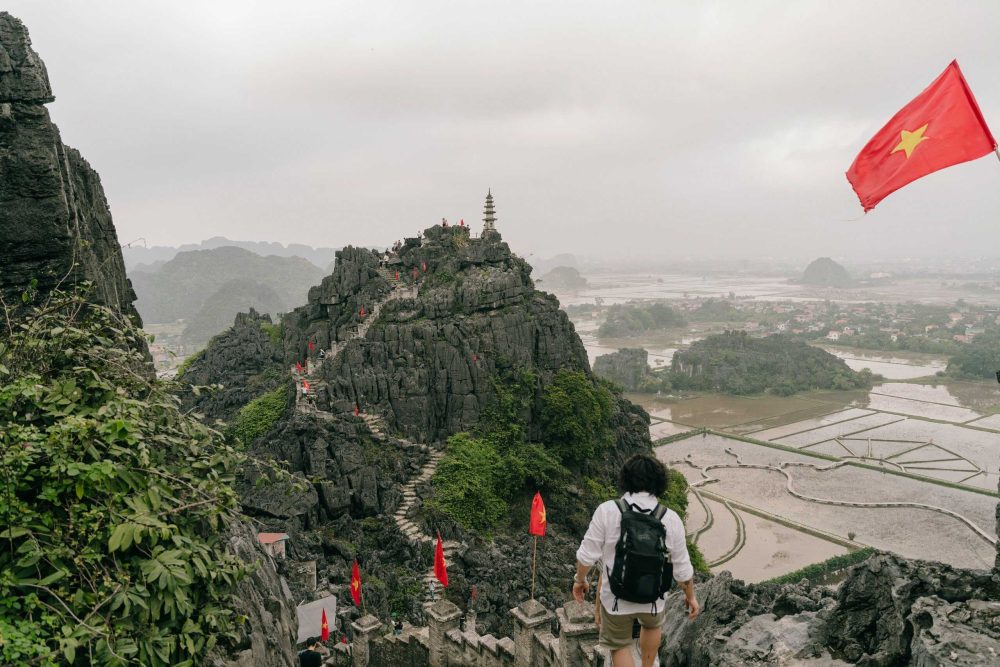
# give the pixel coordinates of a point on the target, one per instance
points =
(602, 536)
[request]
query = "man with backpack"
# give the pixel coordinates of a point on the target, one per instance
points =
(641, 544)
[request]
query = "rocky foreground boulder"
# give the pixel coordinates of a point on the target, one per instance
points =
(888, 611)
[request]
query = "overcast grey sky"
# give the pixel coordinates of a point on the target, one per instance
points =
(603, 128)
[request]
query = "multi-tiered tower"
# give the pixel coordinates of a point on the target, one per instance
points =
(489, 215)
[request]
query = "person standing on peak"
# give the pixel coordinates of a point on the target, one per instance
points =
(641, 544)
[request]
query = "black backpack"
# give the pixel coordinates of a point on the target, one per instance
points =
(642, 571)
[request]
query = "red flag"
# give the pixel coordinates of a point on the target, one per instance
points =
(397, 276)
(440, 568)
(536, 526)
(357, 410)
(343, 639)
(356, 584)
(298, 367)
(461, 223)
(324, 627)
(940, 127)
(423, 265)
(362, 312)
(305, 385)
(311, 346)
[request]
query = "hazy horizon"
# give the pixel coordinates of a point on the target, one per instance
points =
(671, 130)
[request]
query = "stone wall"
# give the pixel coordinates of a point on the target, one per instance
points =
(445, 643)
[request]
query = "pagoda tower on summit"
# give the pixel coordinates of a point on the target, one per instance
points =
(489, 215)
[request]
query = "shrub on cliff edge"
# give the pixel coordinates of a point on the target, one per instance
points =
(112, 501)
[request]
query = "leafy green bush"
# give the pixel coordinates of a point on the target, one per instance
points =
(575, 416)
(467, 483)
(259, 415)
(112, 504)
(186, 364)
(979, 359)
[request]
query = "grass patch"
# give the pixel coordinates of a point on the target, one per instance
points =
(818, 570)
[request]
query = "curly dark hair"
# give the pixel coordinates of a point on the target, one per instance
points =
(643, 472)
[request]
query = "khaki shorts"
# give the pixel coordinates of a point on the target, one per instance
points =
(616, 629)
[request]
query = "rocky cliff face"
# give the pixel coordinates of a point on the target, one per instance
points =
(55, 225)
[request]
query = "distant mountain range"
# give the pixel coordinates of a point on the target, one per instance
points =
(206, 288)
(153, 257)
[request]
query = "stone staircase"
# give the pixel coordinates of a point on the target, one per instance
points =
(376, 424)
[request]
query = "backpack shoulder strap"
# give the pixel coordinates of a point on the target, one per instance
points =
(621, 505)
(660, 512)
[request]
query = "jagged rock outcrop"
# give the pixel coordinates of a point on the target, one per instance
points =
(427, 363)
(627, 367)
(246, 359)
(888, 611)
(55, 224)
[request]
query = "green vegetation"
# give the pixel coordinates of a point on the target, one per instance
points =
(718, 310)
(483, 473)
(112, 505)
(258, 416)
(627, 320)
(468, 484)
(735, 363)
(575, 415)
(817, 571)
(186, 364)
(980, 359)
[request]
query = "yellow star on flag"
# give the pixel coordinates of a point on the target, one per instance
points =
(355, 584)
(541, 515)
(908, 140)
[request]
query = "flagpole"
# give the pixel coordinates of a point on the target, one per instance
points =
(996, 149)
(534, 552)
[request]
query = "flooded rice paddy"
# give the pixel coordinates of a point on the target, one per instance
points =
(913, 531)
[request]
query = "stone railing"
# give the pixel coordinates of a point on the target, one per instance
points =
(444, 644)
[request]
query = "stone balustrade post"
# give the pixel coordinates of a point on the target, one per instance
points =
(529, 616)
(442, 616)
(576, 631)
(363, 628)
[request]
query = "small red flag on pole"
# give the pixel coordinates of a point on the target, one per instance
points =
(423, 265)
(362, 312)
(305, 385)
(311, 346)
(461, 223)
(356, 584)
(536, 527)
(440, 568)
(397, 276)
(940, 127)
(298, 367)
(537, 524)
(324, 627)
(357, 410)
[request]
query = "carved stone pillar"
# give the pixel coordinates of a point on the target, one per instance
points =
(529, 616)
(363, 628)
(442, 616)
(576, 630)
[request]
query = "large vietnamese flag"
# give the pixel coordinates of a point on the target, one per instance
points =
(940, 127)
(324, 627)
